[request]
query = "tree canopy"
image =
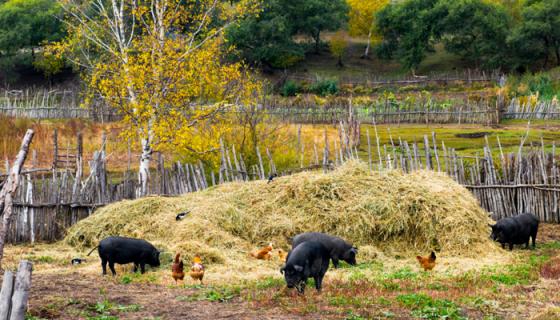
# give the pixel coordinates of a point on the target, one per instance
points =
(474, 29)
(268, 38)
(28, 23)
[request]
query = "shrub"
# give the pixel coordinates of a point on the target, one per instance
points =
(290, 89)
(324, 87)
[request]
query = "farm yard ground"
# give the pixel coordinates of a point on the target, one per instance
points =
(519, 289)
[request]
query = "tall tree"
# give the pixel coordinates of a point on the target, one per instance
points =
(311, 17)
(362, 20)
(538, 35)
(476, 30)
(159, 63)
(409, 30)
(266, 40)
(26, 24)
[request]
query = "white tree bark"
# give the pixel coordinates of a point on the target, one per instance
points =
(144, 171)
(10, 188)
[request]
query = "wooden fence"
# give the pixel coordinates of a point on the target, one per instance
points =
(539, 110)
(375, 80)
(528, 180)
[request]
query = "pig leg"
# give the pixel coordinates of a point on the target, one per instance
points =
(135, 267)
(318, 283)
(510, 246)
(503, 245)
(534, 238)
(112, 267)
(104, 265)
(335, 262)
(142, 268)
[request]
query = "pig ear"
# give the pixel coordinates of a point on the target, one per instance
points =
(298, 268)
(493, 226)
(354, 249)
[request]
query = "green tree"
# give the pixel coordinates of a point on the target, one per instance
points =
(473, 29)
(476, 30)
(409, 31)
(538, 35)
(311, 17)
(266, 40)
(26, 24)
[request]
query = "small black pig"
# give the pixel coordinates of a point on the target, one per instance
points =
(516, 230)
(337, 247)
(126, 250)
(309, 259)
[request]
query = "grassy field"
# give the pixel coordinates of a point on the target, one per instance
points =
(521, 289)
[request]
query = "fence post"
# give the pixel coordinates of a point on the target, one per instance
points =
(21, 290)
(6, 295)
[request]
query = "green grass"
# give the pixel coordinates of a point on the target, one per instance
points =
(425, 307)
(509, 137)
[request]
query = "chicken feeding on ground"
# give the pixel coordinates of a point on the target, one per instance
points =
(177, 268)
(264, 253)
(428, 262)
(197, 269)
(282, 255)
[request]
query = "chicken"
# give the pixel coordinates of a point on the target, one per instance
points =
(197, 269)
(264, 253)
(177, 268)
(282, 255)
(428, 262)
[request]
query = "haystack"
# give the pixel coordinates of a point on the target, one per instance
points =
(389, 213)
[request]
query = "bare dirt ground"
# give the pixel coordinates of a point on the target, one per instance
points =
(371, 290)
(77, 296)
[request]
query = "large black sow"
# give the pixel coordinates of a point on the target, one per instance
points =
(309, 259)
(123, 250)
(516, 230)
(337, 247)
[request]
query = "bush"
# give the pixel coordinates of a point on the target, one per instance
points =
(324, 87)
(290, 89)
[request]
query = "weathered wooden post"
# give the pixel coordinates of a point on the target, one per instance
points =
(9, 189)
(6, 295)
(21, 291)
(55, 148)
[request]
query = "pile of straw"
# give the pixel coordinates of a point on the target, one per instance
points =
(389, 213)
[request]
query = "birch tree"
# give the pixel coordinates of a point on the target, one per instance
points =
(362, 20)
(159, 63)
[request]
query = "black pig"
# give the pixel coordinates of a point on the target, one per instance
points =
(516, 230)
(309, 259)
(337, 247)
(126, 250)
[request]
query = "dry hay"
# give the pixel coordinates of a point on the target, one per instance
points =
(387, 215)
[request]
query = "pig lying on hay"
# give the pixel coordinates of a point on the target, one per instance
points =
(392, 213)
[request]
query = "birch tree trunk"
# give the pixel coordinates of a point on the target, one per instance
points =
(144, 171)
(9, 189)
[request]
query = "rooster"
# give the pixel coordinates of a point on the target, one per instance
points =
(197, 269)
(177, 268)
(264, 253)
(428, 262)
